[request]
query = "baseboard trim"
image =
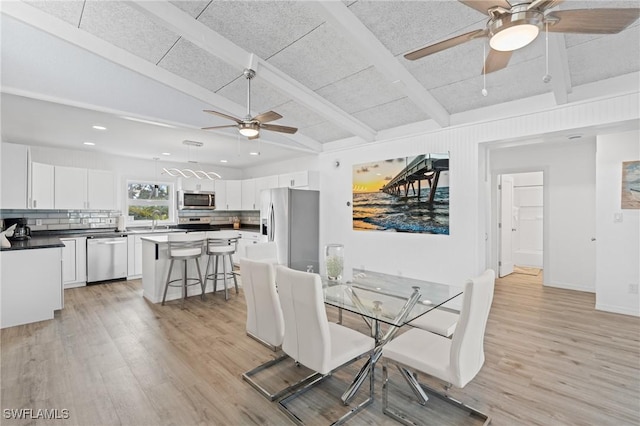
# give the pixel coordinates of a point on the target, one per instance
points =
(617, 309)
(566, 286)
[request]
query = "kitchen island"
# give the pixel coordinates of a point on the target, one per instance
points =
(30, 281)
(155, 266)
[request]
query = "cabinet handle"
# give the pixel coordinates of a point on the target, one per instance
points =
(35, 203)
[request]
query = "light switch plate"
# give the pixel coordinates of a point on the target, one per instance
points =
(617, 217)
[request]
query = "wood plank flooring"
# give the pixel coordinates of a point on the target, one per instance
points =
(112, 358)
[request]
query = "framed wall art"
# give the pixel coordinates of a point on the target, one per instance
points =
(407, 194)
(630, 185)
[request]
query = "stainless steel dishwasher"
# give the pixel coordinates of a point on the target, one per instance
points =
(106, 258)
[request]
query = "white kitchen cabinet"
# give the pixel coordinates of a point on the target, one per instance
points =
(266, 182)
(42, 187)
(195, 184)
(134, 245)
(221, 194)
(306, 179)
(70, 188)
(228, 195)
(31, 285)
(101, 190)
(14, 172)
(249, 194)
(247, 238)
(74, 262)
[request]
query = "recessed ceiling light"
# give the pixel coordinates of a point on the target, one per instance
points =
(223, 161)
(166, 153)
(155, 123)
(254, 153)
(89, 143)
(99, 127)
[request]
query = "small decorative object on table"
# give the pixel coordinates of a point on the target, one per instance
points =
(236, 222)
(334, 261)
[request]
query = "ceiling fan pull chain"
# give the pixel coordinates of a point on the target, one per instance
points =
(547, 76)
(484, 70)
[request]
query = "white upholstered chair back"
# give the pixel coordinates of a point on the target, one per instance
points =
(263, 251)
(264, 314)
(467, 345)
(306, 336)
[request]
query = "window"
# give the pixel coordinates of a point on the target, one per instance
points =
(148, 201)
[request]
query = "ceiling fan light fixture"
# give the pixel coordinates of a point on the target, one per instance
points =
(248, 129)
(514, 31)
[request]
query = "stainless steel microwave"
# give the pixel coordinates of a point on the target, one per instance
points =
(196, 200)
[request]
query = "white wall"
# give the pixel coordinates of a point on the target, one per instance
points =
(618, 243)
(443, 258)
(287, 166)
(569, 214)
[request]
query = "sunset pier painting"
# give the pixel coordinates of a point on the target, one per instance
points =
(409, 194)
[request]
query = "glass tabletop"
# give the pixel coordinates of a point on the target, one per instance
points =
(386, 297)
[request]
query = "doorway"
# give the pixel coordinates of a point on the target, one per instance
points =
(520, 223)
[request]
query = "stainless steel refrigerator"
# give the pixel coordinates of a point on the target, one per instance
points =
(291, 218)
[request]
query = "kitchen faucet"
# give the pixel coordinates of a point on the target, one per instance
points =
(154, 219)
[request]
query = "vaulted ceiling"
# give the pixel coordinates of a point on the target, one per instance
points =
(334, 70)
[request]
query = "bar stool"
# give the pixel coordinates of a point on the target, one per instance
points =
(221, 246)
(185, 247)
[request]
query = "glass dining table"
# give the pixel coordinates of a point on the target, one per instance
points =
(382, 299)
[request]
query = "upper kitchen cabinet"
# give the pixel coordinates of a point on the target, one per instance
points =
(194, 184)
(70, 188)
(305, 180)
(249, 194)
(263, 183)
(15, 163)
(101, 190)
(228, 194)
(42, 187)
(78, 189)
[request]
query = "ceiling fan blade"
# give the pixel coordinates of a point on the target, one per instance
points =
(496, 60)
(483, 6)
(593, 21)
(281, 129)
(220, 114)
(445, 44)
(219, 127)
(543, 4)
(254, 137)
(266, 117)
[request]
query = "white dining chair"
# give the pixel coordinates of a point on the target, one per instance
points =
(311, 340)
(265, 322)
(456, 361)
(439, 321)
(263, 251)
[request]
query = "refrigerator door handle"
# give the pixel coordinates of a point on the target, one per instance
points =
(272, 222)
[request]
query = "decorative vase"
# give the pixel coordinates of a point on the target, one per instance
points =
(334, 261)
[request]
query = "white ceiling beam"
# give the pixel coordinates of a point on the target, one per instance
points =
(210, 41)
(63, 30)
(559, 68)
(354, 30)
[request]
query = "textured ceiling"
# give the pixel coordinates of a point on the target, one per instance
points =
(315, 69)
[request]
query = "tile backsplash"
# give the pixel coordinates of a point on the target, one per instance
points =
(49, 220)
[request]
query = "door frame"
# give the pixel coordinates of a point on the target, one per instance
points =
(494, 214)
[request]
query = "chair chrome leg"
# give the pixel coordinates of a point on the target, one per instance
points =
(206, 271)
(224, 278)
(235, 280)
(166, 287)
(272, 397)
(200, 276)
(410, 378)
(184, 281)
(215, 274)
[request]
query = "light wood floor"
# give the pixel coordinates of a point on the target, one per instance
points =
(110, 357)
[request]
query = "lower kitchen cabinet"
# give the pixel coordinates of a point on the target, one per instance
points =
(247, 238)
(31, 285)
(74, 262)
(134, 245)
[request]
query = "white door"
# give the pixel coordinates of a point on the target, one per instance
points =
(505, 226)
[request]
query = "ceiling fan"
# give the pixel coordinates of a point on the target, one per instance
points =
(250, 126)
(511, 27)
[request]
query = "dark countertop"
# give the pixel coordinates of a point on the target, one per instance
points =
(34, 243)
